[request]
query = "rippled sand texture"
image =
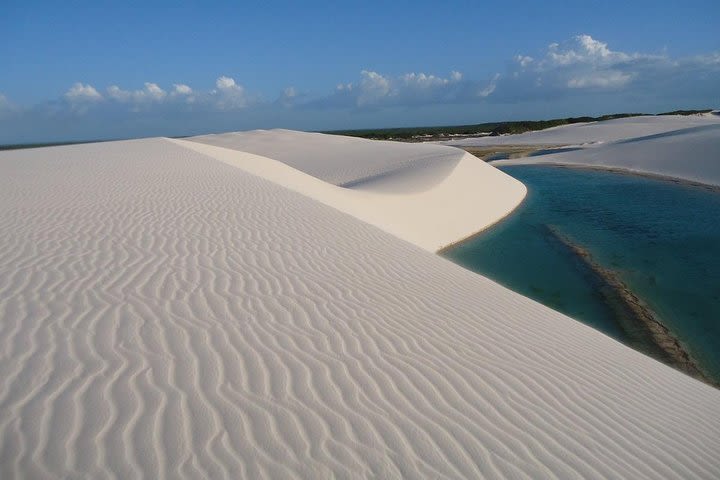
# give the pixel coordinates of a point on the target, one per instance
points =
(164, 315)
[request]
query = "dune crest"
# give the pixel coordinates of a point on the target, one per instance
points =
(428, 195)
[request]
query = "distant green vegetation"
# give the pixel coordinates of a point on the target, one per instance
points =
(686, 112)
(529, 126)
(493, 128)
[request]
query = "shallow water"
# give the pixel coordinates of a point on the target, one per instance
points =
(661, 238)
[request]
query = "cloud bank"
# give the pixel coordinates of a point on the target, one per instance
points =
(586, 66)
(582, 72)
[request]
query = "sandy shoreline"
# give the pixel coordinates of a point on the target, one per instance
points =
(481, 231)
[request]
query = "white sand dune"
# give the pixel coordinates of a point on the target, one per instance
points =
(429, 195)
(340, 160)
(167, 315)
(691, 154)
(596, 132)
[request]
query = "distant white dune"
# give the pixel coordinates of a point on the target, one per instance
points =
(691, 153)
(172, 309)
(596, 132)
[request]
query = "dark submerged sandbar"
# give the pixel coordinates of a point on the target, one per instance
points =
(644, 331)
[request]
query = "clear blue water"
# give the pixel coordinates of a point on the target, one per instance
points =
(661, 238)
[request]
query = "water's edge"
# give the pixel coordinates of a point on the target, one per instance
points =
(621, 252)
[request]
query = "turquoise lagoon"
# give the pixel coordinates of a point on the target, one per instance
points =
(661, 238)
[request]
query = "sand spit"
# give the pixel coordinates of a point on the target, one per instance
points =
(167, 315)
(637, 320)
(428, 195)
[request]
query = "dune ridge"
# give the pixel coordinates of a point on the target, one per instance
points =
(167, 315)
(335, 159)
(430, 196)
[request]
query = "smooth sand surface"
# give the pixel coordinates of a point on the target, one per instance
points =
(168, 315)
(596, 132)
(691, 154)
(336, 159)
(428, 195)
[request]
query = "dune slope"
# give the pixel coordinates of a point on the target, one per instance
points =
(334, 159)
(166, 315)
(429, 195)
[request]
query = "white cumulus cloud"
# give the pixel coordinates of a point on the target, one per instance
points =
(373, 87)
(227, 83)
(116, 93)
(229, 94)
(226, 95)
(83, 92)
(151, 92)
(421, 80)
(182, 89)
(592, 46)
(376, 89)
(183, 93)
(582, 62)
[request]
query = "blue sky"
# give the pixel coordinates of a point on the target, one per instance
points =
(88, 70)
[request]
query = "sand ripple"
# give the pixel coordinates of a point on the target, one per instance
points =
(166, 315)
